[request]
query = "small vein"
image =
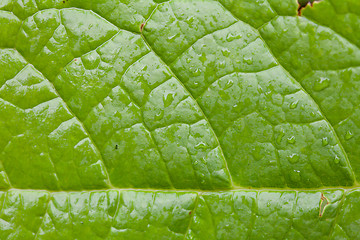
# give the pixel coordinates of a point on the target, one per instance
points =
(316, 104)
(272, 8)
(348, 117)
(117, 209)
(276, 150)
(212, 216)
(151, 135)
(69, 211)
(336, 32)
(43, 219)
(228, 74)
(202, 37)
(89, 136)
(347, 235)
(292, 215)
(253, 217)
(83, 126)
(192, 215)
(337, 215)
(197, 104)
(113, 87)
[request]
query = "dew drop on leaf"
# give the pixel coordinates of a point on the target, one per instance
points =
(225, 52)
(168, 98)
(325, 141)
(228, 84)
(294, 104)
(222, 64)
(248, 60)
(200, 145)
(293, 158)
(159, 115)
(172, 38)
(202, 57)
(202, 177)
(189, 20)
(279, 138)
(272, 162)
(196, 72)
(230, 37)
(336, 159)
(348, 135)
(291, 139)
(321, 84)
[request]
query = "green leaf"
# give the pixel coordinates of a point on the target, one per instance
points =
(180, 119)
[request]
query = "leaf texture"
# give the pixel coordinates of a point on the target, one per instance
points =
(180, 119)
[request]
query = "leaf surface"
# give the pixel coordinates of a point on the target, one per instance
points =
(179, 119)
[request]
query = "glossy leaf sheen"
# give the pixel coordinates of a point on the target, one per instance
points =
(181, 119)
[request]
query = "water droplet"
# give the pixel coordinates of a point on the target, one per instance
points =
(295, 176)
(144, 68)
(231, 36)
(189, 20)
(291, 139)
(268, 94)
(279, 138)
(348, 135)
(336, 159)
(273, 162)
(325, 141)
(228, 84)
(225, 52)
(159, 115)
(188, 60)
(293, 158)
(196, 72)
(200, 145)
(172, 38)
(202, 57)
(248, 60)
(168, 98)
(321, 84)
(222, 64)
(196, 163)
(202, 177)
(294, 104)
